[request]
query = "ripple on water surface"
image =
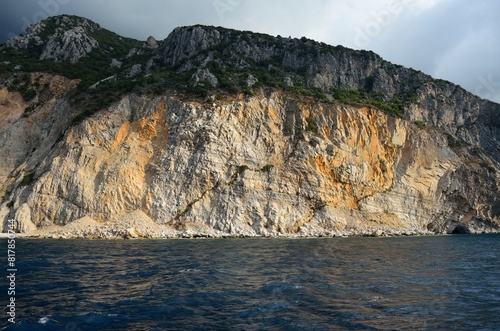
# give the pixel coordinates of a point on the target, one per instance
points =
(413, 283)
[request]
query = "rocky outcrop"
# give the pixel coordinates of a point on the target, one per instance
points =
(30, 37)
(319, 65)
(68, 38)
(71, 46)
(12, 148)
(151, 42)
(135, 70)
(274, 161)
(184, 43)
(28, 133)
(203, 76)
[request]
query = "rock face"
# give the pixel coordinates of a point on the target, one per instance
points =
(320, 65)
(268, 163)
(12, 108)
(439, 103)
(72, 45)
(258, 167)
(135, 70)
(203, 76)
(24, 138)
(68, 38)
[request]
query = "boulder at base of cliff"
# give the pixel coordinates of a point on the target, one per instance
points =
(138, 224)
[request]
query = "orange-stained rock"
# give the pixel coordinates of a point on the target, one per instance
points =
(250, 167)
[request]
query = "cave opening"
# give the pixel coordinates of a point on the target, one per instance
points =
(460, 230)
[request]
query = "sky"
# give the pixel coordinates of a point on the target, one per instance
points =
(456, 40)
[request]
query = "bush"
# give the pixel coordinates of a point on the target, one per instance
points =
(28, 94)
(420, 124)
(267, 168)
(28, 110)
(242, 168)
(28, 179)
(312, 125)
(489, 167)
(453, 142)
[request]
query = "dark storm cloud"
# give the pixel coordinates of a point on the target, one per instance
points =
(455, 40)
(15, 15)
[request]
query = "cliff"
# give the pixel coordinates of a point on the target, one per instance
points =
(218, 132)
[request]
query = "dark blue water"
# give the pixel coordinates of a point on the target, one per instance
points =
(410, 283)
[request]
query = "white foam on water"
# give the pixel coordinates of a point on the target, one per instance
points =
(44, 320)
(189, 270)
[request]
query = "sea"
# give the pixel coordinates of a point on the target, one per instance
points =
(398, 283)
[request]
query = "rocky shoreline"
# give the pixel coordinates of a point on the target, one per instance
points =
(137, 225)
(109, 231)
(129, 234)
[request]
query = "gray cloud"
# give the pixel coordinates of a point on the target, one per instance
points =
(16, 15)
(455, 40)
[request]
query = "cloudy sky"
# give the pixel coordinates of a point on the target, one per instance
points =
(456, 40)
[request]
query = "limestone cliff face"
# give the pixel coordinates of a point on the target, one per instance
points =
(216, 131)
(260, 165)
(28, 130)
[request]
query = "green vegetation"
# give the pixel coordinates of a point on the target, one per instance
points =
(102, 96)
(232, 68)
(453, 142)
(28, 179)
(311, 125)
(21, 84)
(28, 94)
(28, 110)
(112, 44)
(312, 92)
(489, 167)
(361, 98)
(242, 168)
(420, 124)
(50, 29)
(267, 168)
